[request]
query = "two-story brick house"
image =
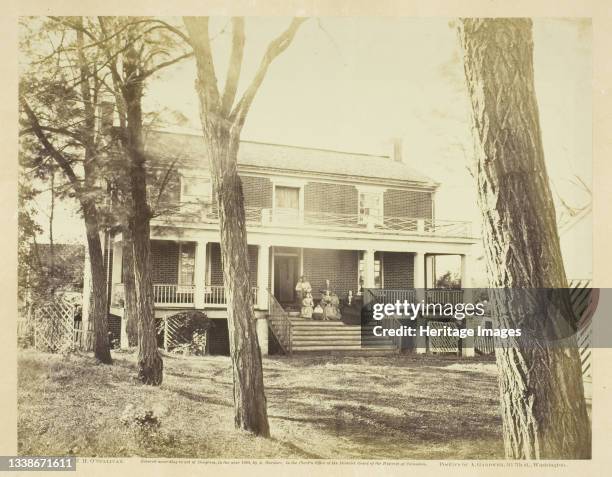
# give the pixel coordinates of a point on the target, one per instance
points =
(357, 220)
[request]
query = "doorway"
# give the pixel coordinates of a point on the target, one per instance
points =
(286, 275)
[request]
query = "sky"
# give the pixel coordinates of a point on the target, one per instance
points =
(353, 84)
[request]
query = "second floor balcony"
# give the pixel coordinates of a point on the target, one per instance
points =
(322, 221)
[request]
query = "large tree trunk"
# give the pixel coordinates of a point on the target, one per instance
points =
(222, 126)
(542, 399)
(150, 365)
(250, 411)
(129, 288)
(98, 309)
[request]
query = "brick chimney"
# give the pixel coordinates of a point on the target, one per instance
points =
(397, 149)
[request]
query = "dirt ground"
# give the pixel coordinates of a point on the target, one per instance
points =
(395, 407)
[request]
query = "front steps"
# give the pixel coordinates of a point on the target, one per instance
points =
(334, 336)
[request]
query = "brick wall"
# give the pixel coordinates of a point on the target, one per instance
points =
(335, 198)
(216, 267)
(164, 258)
(257, 191)
(337, 266)
(398, 270)
(405, 203)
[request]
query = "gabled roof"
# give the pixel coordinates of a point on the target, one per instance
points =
(189, 149)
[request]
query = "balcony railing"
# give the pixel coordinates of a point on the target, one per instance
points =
(293, 218)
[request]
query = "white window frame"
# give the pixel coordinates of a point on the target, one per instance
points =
(180, 267)
(381, 262)
(293, 183)
(371, 220)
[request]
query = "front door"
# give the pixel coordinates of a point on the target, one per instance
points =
(285, 278)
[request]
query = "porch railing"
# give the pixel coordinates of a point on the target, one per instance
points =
(256, 216)
(217, 295)
(280, 324)
(432, 295)
(173, 294)
(385, 295)
(443, 296)
(118, 295)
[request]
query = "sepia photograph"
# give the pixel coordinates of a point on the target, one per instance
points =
(305, 238)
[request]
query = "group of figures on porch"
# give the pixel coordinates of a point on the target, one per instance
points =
(328, 307)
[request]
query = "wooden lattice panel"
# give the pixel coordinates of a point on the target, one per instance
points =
(581, 296)
(169, 328)
(443, 344)
(54, 326)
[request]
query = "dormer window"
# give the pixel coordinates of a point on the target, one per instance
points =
(196, 189)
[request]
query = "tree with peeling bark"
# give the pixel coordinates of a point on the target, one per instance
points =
(222, 119)
(59, 108)
(136, 48)
(542, 399)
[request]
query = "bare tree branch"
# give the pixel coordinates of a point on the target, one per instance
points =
(197, 27)
(61, 131)
(171, 28)
(165, 64)
(165, 181)
(275, 48)
(233, 70)
(57, 156)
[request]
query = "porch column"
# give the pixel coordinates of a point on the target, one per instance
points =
(419, 285)
(368, 260)
(465, 279)
(262, 335)
(263, 276)
(116, 275)
(200, 274)
(419, 275)
(123, 339)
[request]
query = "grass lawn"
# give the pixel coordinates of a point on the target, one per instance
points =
(396, 407)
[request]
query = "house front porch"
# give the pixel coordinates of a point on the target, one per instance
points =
(188, 274)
